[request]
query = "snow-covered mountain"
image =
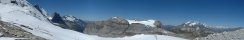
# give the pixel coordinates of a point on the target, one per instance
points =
(193, 23)
(68, 22)
(191, 29)
(33, 21)
(194, 29)
(70, 18)
(74, 23)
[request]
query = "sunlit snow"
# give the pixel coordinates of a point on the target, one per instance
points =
(148, 22)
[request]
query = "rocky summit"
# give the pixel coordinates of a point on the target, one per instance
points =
(68, 22)
(119, 27)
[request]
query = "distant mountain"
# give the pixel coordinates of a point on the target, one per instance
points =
(68, 22)
(119, 27)
(218, 29)
(168, 27)
(74, 24)
(231, 35)
(58, 20)
(193, 29)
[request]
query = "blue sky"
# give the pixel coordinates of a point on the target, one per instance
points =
(171, 12)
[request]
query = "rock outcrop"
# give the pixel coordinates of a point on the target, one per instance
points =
(57, 20)
(158, 24)
(113, 27)
(119, 27)
(233, 35)
(10, 30)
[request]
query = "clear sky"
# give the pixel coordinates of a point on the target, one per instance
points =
(170, 12)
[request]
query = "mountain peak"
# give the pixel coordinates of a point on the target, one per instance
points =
(118, 20)
(114, 17)
(192, 23)
(57, 18)
(69, 17)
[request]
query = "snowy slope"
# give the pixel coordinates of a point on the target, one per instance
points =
(145, 37)
(147, 23)
(9, 38)
(19, 15)
(40, 26)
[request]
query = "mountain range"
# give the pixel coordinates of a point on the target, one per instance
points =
(20, 20)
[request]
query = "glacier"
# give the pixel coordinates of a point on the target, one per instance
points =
(149, 23)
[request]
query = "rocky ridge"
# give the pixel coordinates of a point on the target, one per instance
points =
(119, 27)
(232, 35)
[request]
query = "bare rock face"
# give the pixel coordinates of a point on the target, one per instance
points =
(57, 20)
(10, 30)
(74, 24)
(113, 27)
(118, 20)
(136, 28)
(119, 27)
(158, 24)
